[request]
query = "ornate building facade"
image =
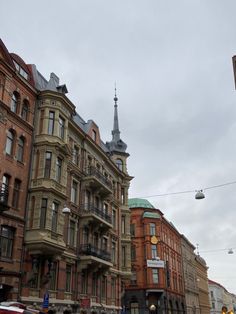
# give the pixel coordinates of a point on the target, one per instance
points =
(190, 276)
(17, 100)
(64, 215)
(157, 277)
(202, 281)
(76, 250)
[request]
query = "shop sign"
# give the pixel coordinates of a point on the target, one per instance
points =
(155, 263)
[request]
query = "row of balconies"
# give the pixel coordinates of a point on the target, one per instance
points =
(89, 249)
(91, 210)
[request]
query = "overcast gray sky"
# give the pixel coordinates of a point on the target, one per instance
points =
(172, 62)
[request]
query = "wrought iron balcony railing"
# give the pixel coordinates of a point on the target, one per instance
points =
(89, 249)
(87, 207)
(93, 171)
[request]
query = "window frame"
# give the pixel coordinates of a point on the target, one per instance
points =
(47, 165)
(152, 229)
(68, 278)
(20, 149)
(9, 241)
(155, 275)
(51, 122)
(9, 142)
(72, 233)
(25, 110)
(54, 217)
(16, 193)
(74, 191)
(43, 213)
(14, 102)
(61, 122)
(58, 169)
(119, 164)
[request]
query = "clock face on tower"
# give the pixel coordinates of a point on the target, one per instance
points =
(154, 240)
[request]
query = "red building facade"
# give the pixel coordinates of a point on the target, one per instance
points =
(157, 280)
(17, 99)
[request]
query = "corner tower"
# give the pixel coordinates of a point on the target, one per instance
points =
(117, 148)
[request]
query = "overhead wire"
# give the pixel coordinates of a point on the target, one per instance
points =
(190, 191)
(217, 250)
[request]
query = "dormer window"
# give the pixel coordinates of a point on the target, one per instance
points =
(119, 164)
(21, 71)
(94, 135)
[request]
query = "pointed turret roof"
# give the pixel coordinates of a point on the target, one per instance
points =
(116, 144)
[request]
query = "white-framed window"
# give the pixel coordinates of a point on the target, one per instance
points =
(58, 169)
(74, 192)
(155, 278)
(55, 207)
(119, 164)
(94, 135)
(9, 142)
(61, 127)
(14, 102)
(154, 251)
(75, 157)
(152, 227)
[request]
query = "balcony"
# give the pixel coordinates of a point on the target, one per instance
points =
(4, 198)
(94, 258)
(44, 242)
(95, 216)
(97, 181)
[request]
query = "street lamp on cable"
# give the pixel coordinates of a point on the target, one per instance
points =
(199, 195)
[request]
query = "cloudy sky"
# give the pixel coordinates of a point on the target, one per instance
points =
(172, 63)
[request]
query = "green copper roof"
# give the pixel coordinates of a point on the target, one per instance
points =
(139, 203)
(151, 215)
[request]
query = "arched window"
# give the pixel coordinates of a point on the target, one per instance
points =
(119, 164)
(14, 102)
(25, 110)
(20, 149)
(9, 142)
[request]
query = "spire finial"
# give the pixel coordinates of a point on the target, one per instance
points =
(115, 98)
(115, 131)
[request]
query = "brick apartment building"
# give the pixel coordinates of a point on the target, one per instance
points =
(17, 100)
(157, 277)
(77, 232)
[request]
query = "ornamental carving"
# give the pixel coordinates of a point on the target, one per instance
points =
(3, 117)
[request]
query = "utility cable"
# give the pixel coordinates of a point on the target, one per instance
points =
(190, 191)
